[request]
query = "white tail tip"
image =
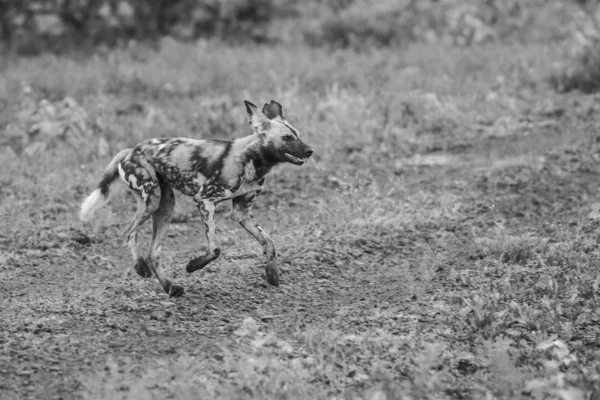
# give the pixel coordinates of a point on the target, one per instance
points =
(91, 204)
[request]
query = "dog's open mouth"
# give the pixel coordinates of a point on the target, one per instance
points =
(294, 159)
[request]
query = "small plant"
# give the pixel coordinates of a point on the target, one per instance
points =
(483, 314)
(558, 358)
(507, 248)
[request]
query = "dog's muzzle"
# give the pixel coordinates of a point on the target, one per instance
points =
(298, 160)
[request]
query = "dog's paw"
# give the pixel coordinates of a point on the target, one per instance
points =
(176, 291)
(272, 276)
(142, 268)
(202, 261)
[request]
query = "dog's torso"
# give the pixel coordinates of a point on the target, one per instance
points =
(215, 169)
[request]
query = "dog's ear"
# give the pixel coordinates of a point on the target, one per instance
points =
(273, 110)
(258, 121)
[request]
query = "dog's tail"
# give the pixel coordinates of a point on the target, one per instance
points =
(98, 198)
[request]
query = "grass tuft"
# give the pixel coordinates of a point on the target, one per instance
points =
(508, 248)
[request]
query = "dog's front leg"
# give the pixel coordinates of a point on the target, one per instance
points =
(207, 212)
(241, 213)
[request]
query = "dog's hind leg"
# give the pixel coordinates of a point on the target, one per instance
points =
(141, 179)
(207, 212)
(145, 209)
(241, 213)
(160, 223)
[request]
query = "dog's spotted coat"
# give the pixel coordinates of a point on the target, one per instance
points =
(210, 171)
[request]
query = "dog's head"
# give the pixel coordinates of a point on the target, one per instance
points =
(281, 140)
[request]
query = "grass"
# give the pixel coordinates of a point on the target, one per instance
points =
(439, 245)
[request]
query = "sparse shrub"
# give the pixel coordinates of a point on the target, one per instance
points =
(239, 20)
(581, 70)
(364, 23)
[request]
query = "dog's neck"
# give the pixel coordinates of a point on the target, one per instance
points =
(261, 154)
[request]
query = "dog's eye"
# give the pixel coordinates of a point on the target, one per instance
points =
(288, 138)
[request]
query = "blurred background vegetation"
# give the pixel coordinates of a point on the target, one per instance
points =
(33, 26)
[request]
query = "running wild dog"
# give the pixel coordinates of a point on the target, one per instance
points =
(210, 171)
